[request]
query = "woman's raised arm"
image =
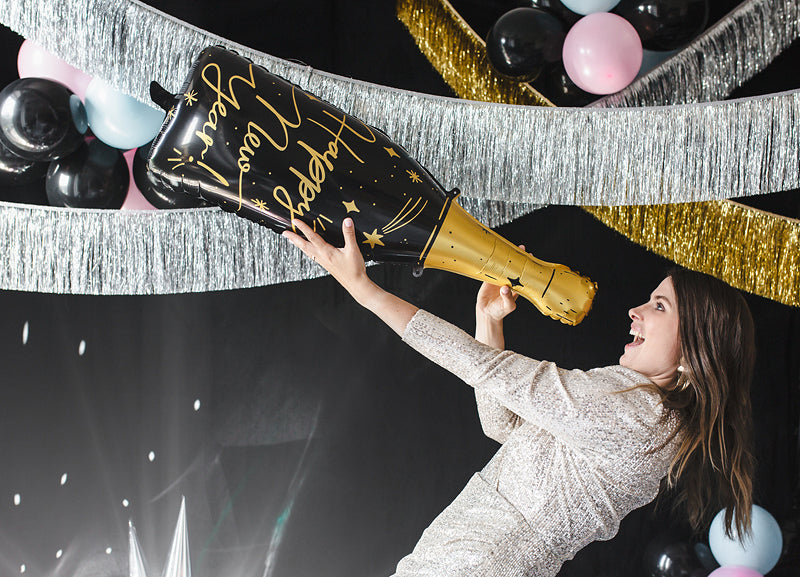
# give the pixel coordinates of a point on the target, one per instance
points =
(347, 266)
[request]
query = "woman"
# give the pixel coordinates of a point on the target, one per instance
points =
(580, 449)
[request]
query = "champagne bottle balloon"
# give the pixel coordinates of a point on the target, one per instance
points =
(261, 147)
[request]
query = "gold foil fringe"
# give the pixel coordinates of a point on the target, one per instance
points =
(747, 248)
(750, 249)
(469, 75)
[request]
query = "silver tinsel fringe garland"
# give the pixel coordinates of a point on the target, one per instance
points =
(718, 61)
(503, 158)
(105, 252)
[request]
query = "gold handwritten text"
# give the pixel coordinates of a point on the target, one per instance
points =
(218, 108)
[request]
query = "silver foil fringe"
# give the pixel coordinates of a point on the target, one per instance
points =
(104, 252)
(718, 61)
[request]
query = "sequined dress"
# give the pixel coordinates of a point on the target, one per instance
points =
(577, 455)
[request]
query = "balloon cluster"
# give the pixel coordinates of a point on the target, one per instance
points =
(67, 139)
(753, 555)
(584, 47)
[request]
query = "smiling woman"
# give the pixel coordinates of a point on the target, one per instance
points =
(655, 350)
(580, 449)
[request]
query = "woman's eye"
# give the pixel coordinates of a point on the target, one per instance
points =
(659, 306)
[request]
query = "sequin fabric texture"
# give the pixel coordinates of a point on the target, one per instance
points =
(579, 452)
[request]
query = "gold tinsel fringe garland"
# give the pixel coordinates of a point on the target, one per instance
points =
(462, 63)
(747, 248)
(750, 249)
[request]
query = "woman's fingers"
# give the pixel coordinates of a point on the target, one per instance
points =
(349, 233)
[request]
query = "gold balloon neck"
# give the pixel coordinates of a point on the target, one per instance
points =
(465, 246)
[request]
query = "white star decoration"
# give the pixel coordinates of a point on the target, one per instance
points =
(178, 563)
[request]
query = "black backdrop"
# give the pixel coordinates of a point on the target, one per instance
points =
(299, 428)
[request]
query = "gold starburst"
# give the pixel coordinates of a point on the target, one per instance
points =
(190, 97)
(350, 206)
(260, 204)
(171, 113)
(373, 238)
(391, 151)
(414, 176)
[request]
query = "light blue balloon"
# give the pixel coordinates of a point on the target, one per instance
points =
(118, 119)
(759, 550)
(589, 6)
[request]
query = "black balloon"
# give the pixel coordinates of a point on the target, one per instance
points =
(667, 556)
(159, 196)
(15, 170)
(94, 176)
(523, 41)
(665, 24)
(556, 85)
(41, 119)
(264, 149)
(565, 14)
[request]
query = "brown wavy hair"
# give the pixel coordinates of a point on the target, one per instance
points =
(713, 468)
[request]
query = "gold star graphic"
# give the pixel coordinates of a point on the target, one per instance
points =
(350, 206)
(373, 238)
(259, 203)
(413, 176)
(171, 113)
(391, 151)
(190, 98)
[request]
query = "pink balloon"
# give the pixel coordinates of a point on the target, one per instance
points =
(734, 571)
(134, 200)
(602, 53)
(33, 61)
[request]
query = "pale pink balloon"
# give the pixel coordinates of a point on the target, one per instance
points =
(33, 61)
(734, 571)
(134, 200)
(602, 53)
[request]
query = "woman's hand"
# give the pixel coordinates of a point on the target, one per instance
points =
(347, 266)
(344, 264)
(494, 303)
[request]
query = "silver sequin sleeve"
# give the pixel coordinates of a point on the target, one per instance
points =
(565, 403)
(497, 421)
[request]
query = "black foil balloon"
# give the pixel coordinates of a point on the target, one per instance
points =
(555, 84)
(41, 119)
(665, 24)
(263, 148)
(15, 170)
(94, 176)
(523, 41)
(666, 556)
(556, 7)
(159, 196)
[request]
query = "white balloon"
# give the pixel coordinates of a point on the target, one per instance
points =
(760, 549)
(589, 6)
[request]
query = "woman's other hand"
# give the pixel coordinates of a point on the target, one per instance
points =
(347, 266)
(344, 264)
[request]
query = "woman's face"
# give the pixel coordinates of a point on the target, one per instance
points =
(655, 349)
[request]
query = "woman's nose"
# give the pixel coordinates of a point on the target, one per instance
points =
(634, 314)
